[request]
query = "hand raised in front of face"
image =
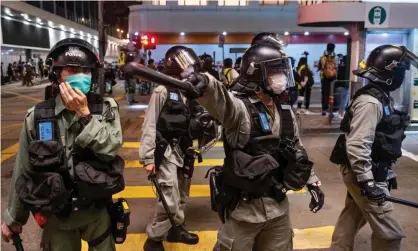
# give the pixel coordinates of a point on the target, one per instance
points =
(74, 99)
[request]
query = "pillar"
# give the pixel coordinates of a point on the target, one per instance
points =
(357, 52)
(414, 78)
(28, 54)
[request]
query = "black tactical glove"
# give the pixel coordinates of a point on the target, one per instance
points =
(200, 82)
(373, 192)
(318, 197)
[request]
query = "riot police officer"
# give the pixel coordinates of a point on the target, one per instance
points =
(371, 143)
(168, 120)
(69, 137)
(269, 38)
(264, 154)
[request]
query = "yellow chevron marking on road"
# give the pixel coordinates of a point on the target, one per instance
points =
(141, 192)
(137, 144)
(308, 238)
(205, 162)
(24, 96)
(9, 152)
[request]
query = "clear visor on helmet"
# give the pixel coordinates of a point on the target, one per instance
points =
(277, 72)
(187, 59)
(409, 58)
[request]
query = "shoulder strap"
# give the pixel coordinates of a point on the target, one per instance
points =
(287, 126)
(374, 91)
(95, 102)
(250, 108)
(45, 112)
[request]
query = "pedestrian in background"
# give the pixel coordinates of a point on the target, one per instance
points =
(306, 75)
(341, 87)
(41, 68)
(229, 74)
(328, 72)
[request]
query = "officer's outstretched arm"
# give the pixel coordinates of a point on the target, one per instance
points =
(103, 138)
(149, 127)
(16, 213)
(222, 105)
(366, 114)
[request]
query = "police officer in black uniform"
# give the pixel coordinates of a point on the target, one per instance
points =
(371, 144)
(70, 137)
(168, 120)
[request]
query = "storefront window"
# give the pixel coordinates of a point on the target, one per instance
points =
(273, 2)
(192, 2)
(232, 2)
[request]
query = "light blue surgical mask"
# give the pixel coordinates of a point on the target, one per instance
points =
(81, 81)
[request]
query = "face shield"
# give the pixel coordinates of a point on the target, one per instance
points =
(408, 59)
(277, 75)
(188, 61)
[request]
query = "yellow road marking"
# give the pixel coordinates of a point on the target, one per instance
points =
(308, 238)
(25, 96)
(138, 144)
(206, 162)
(9, 152)
(141, 192)
(12, 125)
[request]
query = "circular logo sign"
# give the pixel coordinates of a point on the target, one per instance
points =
(377, 15)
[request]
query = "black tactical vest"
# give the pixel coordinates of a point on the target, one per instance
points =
(260, 165)
(48, 187)
(174, 117)
(390, 131)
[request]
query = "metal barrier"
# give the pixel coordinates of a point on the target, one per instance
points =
(331, 99)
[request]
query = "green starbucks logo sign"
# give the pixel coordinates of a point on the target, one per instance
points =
(377, 15)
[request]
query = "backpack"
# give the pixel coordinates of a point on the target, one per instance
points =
(330, 67)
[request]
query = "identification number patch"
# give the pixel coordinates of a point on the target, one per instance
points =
(174, 96)
(264, 121)
(387, 110)
(45, 130)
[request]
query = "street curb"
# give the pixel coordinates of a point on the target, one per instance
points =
(43, 81)
(332, 130)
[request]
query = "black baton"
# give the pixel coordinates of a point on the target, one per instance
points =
(17, 242)
(401, 201)
(153, 179)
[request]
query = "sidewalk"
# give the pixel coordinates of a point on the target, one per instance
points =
(18, 84)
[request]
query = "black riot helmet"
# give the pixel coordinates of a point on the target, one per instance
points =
(269, 38)
(386, 66)
(72, 52)
(180, 61)
(262, 65)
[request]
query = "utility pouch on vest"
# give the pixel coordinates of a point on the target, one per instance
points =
(189, 159)
(43, 191)
(253, 174)
(298, 168)
(46, 154)
(339, 154)
(265, 144)
(119, 212)
(388, 146)
(160, 147)
(215, 185)
(98, 179)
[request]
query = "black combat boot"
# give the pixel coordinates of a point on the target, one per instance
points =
(182, 235)
(151, 245)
